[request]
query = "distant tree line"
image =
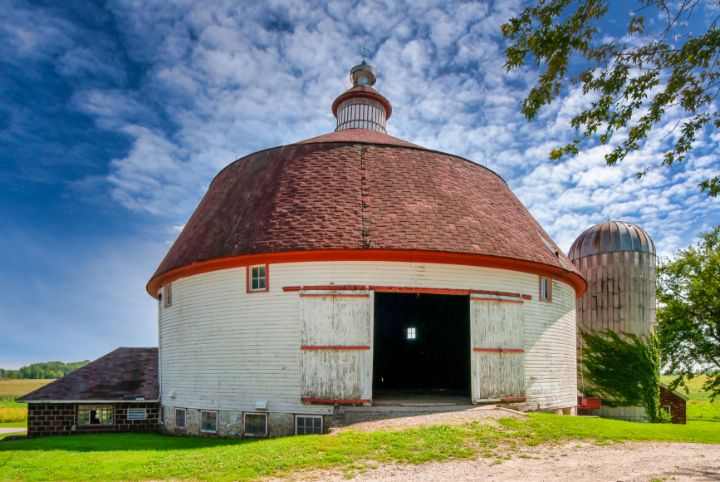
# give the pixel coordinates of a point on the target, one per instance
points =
(53, 369)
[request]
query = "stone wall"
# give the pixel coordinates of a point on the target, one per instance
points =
(61, 419)
(230, 423)
(675, 403)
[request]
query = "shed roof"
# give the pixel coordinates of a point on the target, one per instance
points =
(122, 374)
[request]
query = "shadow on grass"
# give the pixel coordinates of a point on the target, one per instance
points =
(120, 442)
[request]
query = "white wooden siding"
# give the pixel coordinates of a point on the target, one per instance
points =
(496, 324)
(223, 348)
(330, 322)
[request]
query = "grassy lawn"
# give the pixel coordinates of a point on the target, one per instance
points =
(13, 414)
(153, 456)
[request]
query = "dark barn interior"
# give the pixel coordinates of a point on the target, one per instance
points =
(422, 344)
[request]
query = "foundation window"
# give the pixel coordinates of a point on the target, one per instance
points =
(545, 289)
(411, 334)
(306, 425)
(136, 414)
(180, 418)
(95, 415)
(256, 425)
(258, 278)
(167, 296)
(209, 421)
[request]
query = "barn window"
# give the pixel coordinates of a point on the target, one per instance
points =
(95, 415)
(136, 414)
(256, 425)
(545, 289)
(180, 418)
(258, 278)
(167, 296)
(306, 425)
(208, 422)
(411, 335)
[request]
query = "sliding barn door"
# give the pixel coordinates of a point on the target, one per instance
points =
(336, 348)
(496, 333)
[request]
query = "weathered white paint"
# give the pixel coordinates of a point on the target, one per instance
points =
(336, 321)
(222, 348)
(496, 324)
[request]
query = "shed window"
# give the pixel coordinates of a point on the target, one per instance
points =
(411, 335)
(209, 421)
(305, 425)
(256, 425)
(258, 278)
(180, 417)
(136, 414)
(545, 289)
(95, 415)
(167, 296)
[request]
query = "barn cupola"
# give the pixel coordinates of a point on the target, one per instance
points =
(362, 107)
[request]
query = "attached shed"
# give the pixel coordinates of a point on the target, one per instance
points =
(116, 393)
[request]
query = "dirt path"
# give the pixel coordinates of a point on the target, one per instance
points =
(629, 461)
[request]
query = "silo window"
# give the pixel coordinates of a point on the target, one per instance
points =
(411, 335)
(258, 278)
(545, 289)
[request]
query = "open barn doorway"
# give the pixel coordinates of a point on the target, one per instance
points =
(421, 347)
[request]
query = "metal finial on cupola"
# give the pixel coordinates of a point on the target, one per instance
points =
(363, 74)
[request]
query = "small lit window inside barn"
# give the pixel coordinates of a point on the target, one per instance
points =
(180, 417)
(209, 422)
(256, 424)
(95, 415)
(167, 296)
(545, 289)
(411, 335)
(136, 414)
(305, 425)
(258, 278)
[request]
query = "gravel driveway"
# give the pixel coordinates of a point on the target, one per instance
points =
(631, 461)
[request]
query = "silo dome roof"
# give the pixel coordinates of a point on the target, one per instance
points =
(611, 236)
(360, 194)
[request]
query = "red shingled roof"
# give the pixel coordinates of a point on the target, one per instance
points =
(360, 190)
(122, 374)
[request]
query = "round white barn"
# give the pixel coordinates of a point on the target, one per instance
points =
(356, 268)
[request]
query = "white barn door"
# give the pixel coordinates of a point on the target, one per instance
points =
(336, 348)
(496, 334)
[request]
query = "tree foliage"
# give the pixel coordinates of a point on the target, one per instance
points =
(688, 313)
(623, 369)
(53, 369)
(634, 81)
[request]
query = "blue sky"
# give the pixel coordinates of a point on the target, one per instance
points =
(114, 117)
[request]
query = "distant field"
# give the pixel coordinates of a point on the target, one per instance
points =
(699, 406)
(13, 414)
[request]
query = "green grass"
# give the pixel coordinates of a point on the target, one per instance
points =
(699, 406)
(153, 456)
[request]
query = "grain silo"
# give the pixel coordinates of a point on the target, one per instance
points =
(618, 261)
